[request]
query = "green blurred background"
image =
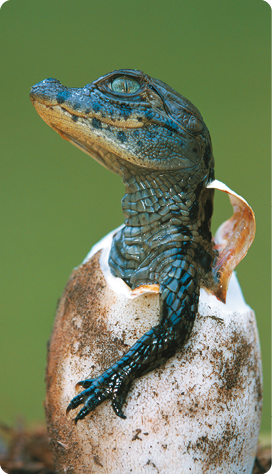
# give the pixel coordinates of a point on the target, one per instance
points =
(56, 202)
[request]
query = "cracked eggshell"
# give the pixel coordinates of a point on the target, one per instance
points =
(198, 413)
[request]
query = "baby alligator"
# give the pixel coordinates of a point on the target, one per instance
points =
(141, 129)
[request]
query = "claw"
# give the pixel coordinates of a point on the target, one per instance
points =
(85, 383)
(116, 405)
(75, 402)
(69, 408)
(81, 414)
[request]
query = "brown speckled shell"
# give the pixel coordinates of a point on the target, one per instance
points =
(198, 413)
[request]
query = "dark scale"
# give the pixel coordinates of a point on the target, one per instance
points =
(157, 141)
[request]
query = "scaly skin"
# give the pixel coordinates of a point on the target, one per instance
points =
(157, 141)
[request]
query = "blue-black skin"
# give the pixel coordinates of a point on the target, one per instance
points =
(157, 141)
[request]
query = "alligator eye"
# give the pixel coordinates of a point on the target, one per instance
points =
(125, 85)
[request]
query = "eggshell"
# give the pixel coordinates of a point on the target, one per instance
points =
(198, 413)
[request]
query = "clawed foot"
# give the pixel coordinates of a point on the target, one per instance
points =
(114, 387)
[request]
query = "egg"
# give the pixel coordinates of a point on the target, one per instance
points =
(197, 413)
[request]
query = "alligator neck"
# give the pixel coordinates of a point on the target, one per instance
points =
(164, 218)
(155, 199)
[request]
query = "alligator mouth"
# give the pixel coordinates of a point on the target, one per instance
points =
(132, 123)
(42, 104)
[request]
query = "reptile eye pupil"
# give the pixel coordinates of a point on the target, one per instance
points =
(124, 85)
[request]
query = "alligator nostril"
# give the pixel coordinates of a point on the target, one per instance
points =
(41, 87)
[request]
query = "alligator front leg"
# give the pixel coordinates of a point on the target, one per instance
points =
(179, 297)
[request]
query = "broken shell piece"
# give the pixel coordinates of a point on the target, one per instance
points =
(232, 239)
(200, 412)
